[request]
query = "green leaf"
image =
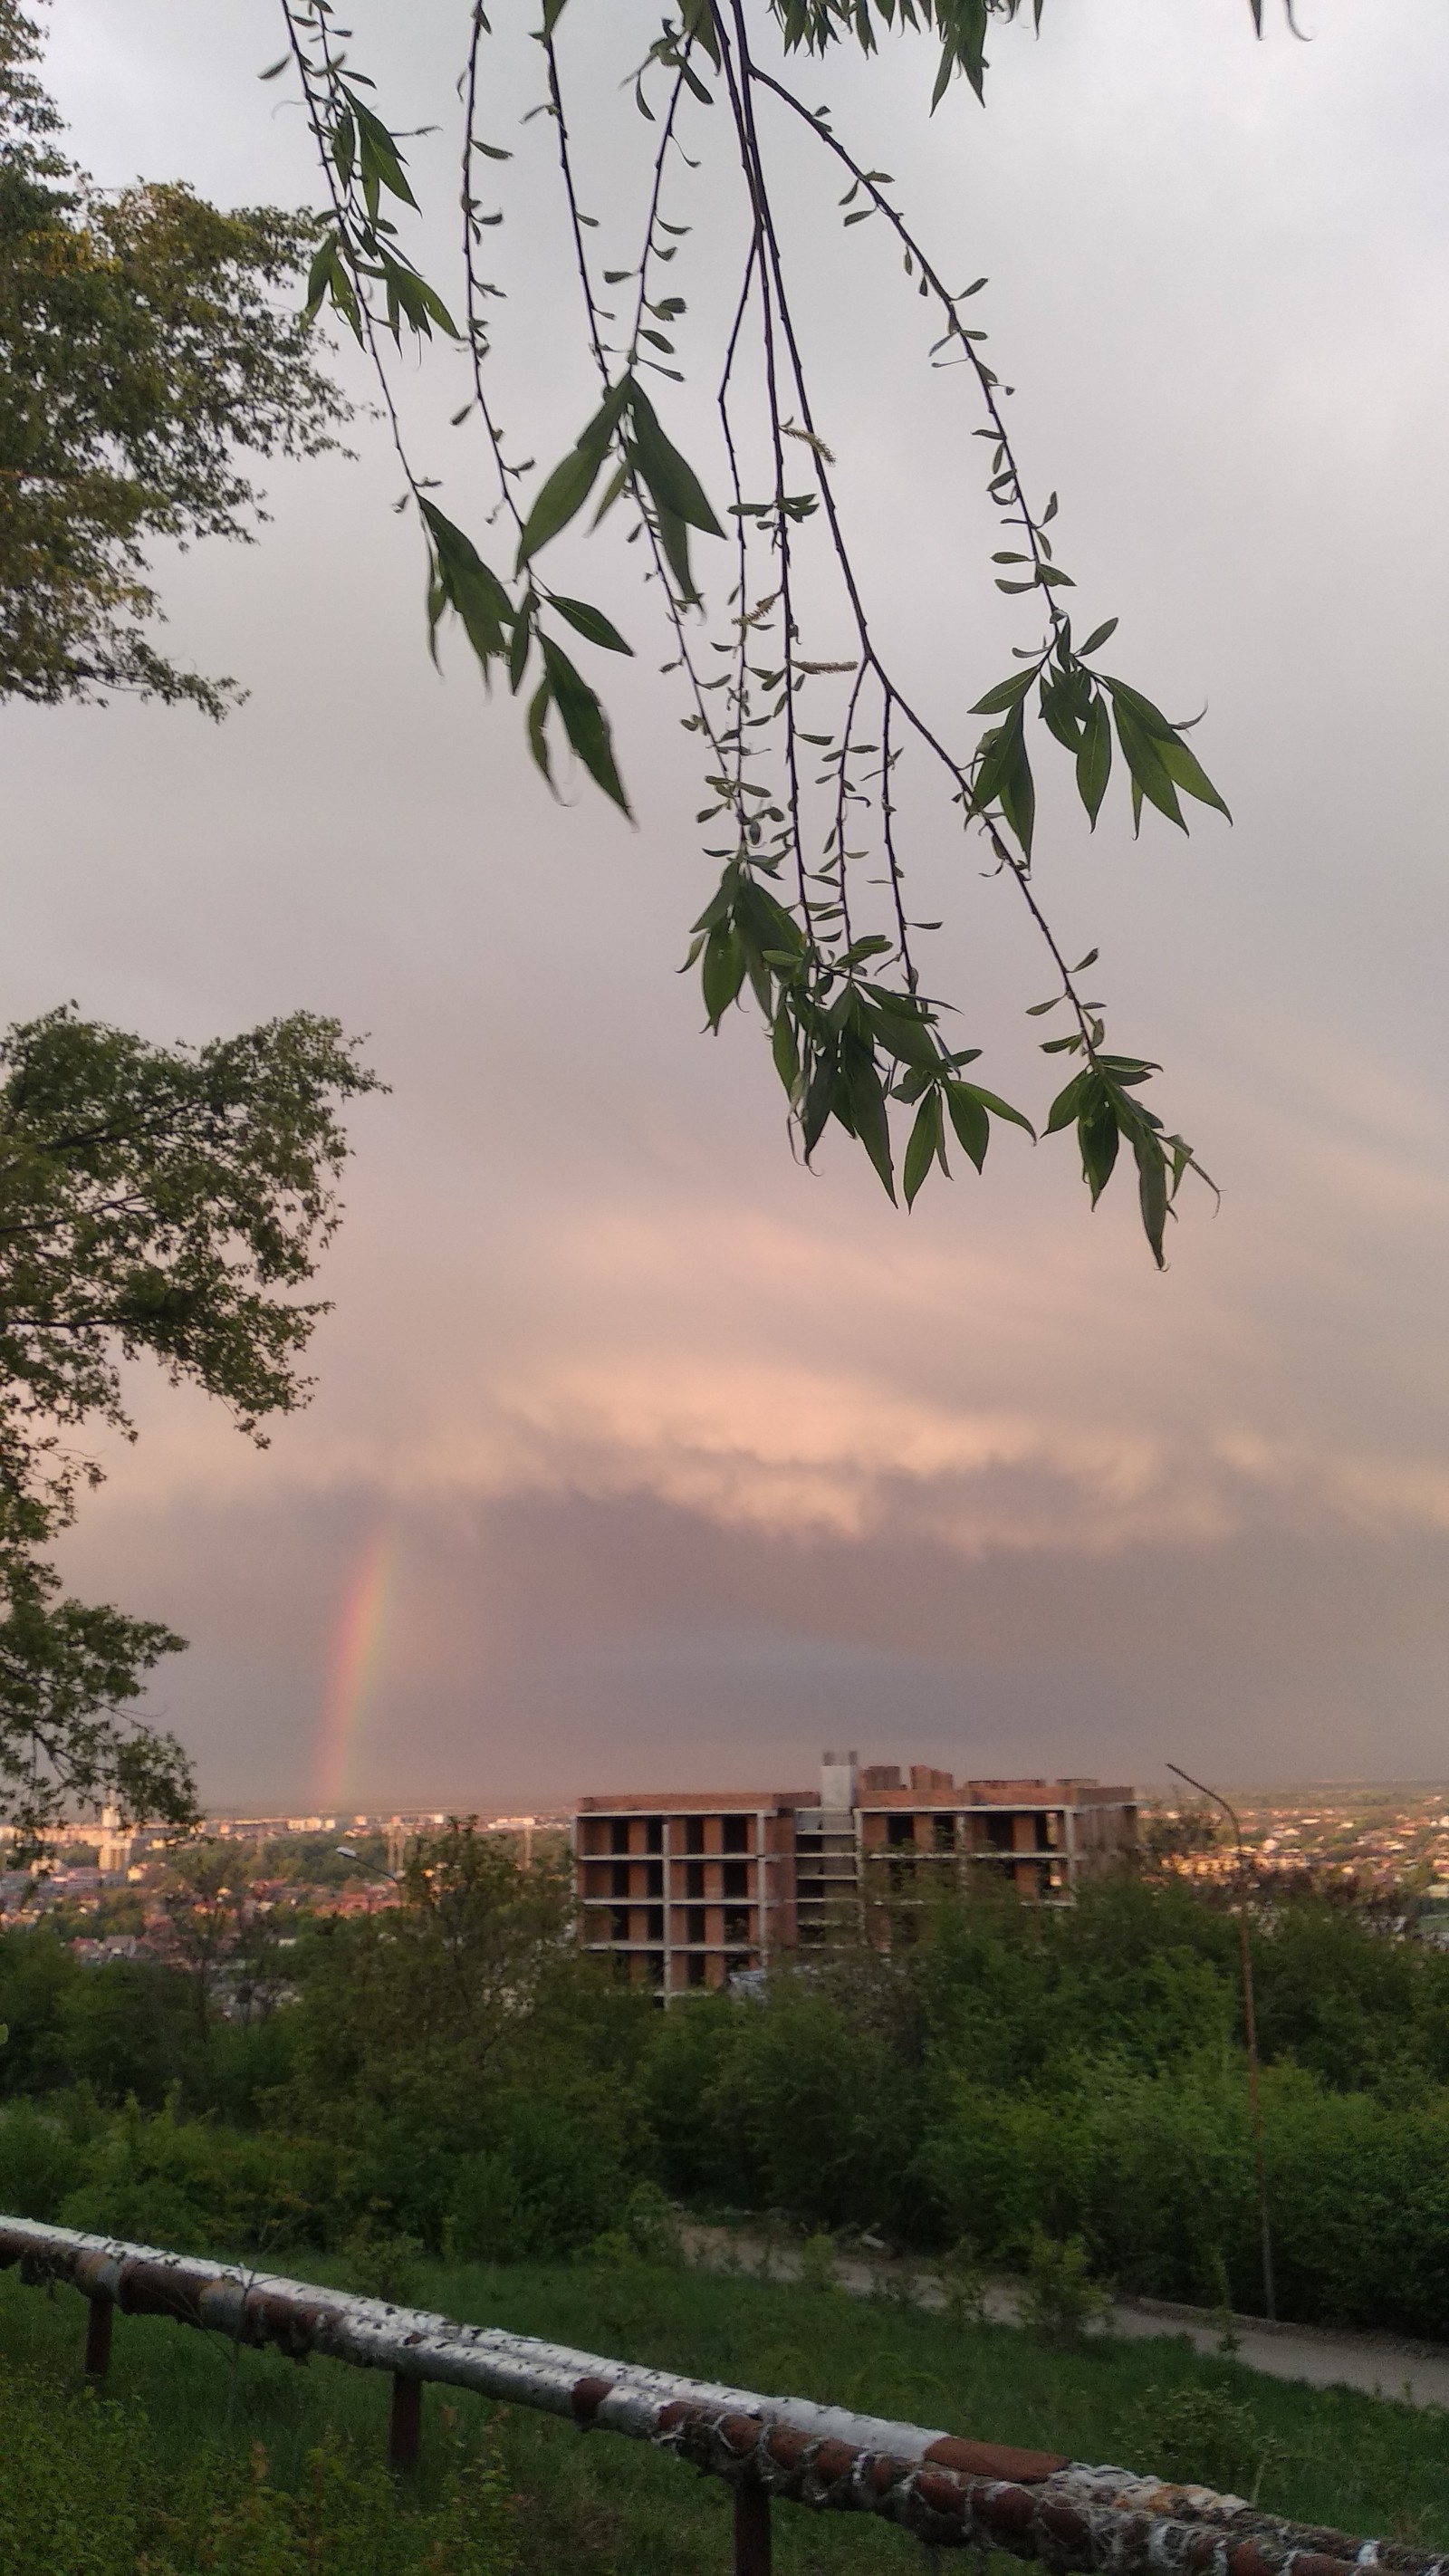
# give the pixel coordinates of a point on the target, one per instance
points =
(1067, 1103)
(1017, 792)
(869, 1117)
(468, 585)
(1099, 635)
(519, 649)
(1094, 759)
(671, 479)
(1063, 719)
(584, 722)
(617, 483)
(1144, 758)
(997, 752)
(1186, 771)
(927, 1142)
(1099, 1137)
(785, 1051)
(562, 497)
(379, 152)
(990, 1100)
(723, 971)
(592, 623)
(1152, 1192)
(674, 538)
(1151, 719)
(905, 1036)
(969, 1118)
(537, 740)
(1007, 693)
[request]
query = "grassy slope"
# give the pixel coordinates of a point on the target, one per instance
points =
(597, 2504)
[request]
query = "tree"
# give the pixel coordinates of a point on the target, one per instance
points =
(143, 342)
(411, 2009)
(152, 1201)
(810, 749)
(166, 1202)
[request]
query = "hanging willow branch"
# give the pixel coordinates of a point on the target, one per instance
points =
(803, 753)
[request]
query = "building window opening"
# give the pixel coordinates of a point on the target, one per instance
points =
(736, 1876)
(998, 1832)
(619, 1923)
(737, 1923)
(900, 1829)
(621, 1878)
(694, 1833)
(694, 1970)
(943, 1832)
(654, 1834)
(694, 1878)
(619, 1834)
(655, 1930)
(736, 1833)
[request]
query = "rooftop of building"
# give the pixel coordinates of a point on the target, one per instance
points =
(876, 1785)
(699, 1802)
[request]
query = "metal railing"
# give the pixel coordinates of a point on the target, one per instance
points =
(950, 2492)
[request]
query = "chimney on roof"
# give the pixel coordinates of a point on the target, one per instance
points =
(837, 1783)
(881, 1775)
(926, 1783)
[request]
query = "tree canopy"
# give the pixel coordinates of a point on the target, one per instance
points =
(154, 1202)
(145, 340)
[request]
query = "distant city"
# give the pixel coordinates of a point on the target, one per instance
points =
(695, 1887)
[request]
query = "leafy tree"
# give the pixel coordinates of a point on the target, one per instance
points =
(411, 2007)
(143, 343)
(153, 1201)
(815, 747)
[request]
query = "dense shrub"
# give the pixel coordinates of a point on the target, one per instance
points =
(88, 2493)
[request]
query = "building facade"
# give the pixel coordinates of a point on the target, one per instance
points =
(691, 1890)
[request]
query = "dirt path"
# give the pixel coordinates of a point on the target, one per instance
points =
(1381, 2365)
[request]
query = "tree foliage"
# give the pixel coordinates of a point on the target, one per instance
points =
(145, 341)
(154, 1202)
(811, 744)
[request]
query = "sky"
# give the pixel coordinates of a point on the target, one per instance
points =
(638, 1455)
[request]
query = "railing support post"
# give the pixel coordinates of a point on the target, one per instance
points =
(752, 2532)
(99, 2313)
(405, 2422)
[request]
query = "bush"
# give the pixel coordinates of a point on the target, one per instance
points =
(39, 2163)
(86, 2494)
(1062, 2299)
(1205, 2437)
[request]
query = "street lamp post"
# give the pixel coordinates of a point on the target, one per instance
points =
(1270, 2304)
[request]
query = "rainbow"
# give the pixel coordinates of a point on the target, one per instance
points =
(353, 1663)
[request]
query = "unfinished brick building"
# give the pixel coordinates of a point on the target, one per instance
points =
(690, 1890)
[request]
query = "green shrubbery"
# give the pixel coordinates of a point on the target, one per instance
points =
(88, 2493)
(454, 2077)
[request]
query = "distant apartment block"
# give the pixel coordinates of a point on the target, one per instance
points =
(691, 1890)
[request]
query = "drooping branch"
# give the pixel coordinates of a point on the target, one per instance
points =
(853, 1032)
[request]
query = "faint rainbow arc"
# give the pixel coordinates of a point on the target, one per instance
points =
(353, 1663)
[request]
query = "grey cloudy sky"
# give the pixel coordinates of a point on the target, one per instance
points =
(681, 1462)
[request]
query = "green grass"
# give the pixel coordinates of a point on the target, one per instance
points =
(599, 2506)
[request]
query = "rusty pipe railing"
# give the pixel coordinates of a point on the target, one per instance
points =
(948, 2491)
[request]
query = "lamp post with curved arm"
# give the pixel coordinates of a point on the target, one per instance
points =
(1270, 2304)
